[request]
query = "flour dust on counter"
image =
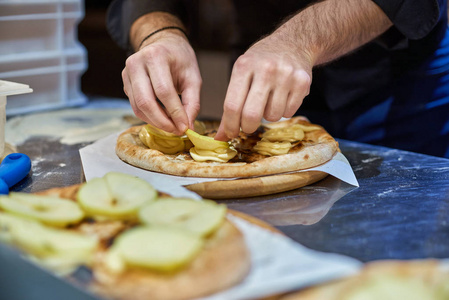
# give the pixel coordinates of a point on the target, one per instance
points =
(69, 126)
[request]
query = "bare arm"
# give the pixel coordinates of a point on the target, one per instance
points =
(272, 78)
(163, 67)
(330, 29)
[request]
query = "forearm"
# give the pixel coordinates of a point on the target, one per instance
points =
(329, 29)
(149, 23)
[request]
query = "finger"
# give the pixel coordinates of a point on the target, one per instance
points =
(143, 100)
(255, 103)
(127, 88)
(300, 89)
(190, 95)
(234, 101)
(165, 91)
(127, 84)
(276, 104)
(278, 99)
(221, 136)
(191, 102)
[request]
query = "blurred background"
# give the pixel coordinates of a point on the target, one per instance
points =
(209, 36)
(62, 50)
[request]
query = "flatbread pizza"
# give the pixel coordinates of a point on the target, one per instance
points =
(385, 279)
(137, 243)
(275, 148)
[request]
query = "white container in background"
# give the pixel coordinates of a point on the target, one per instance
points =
(8, 89)
(39, 47)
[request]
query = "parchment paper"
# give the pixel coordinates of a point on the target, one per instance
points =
(280, 265)
(100, 158)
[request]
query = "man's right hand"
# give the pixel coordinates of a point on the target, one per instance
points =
(165, 68)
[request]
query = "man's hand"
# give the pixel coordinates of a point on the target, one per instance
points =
(165, 69)
(272, 78)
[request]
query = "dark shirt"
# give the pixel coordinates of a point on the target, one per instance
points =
(377, 94)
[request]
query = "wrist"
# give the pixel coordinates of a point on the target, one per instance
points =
(147, 39)
(153, 26)
(298, 49)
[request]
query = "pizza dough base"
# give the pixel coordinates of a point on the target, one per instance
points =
(224, 262)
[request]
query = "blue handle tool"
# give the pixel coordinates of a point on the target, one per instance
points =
(13, 168)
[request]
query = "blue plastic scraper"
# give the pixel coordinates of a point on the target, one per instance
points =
(13, 168)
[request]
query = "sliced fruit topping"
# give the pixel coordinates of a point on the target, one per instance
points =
(46, 209)
(199, 127)
(42, 241)
(209, 155)
(207, 149)
(265, 147)
(286, 134)
(8, 222)
(199, 217)
(159, 132)
(115, 196)
(166, 143)
(153, 247)
(307, 128)
(205, 142)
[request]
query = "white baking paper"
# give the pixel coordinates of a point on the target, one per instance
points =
(100, 158)
(279, 265)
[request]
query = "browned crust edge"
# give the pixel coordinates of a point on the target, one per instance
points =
(132, 151)
(425, 270)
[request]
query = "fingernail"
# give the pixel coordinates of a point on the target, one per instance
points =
(218, 136)
(221, 136)
(182, 127)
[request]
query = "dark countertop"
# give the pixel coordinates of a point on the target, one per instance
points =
(400, 210)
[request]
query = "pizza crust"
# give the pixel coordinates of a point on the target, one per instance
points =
(427, 272)
(317, 148)
(223, 262)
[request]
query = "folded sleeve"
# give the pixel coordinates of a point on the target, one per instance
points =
(122, 14)
(413, 18)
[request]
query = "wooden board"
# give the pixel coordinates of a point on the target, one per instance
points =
(258, 186)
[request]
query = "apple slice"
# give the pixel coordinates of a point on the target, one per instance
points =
(168, 144)
(199, 217)
(159, 132)
(285, 134)
(199, 127)
(42, 241)
(205, 142)
(153, 247)
(265, 147)
(50, 210)
(208, 149)
(8, 222)
(115, 196)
